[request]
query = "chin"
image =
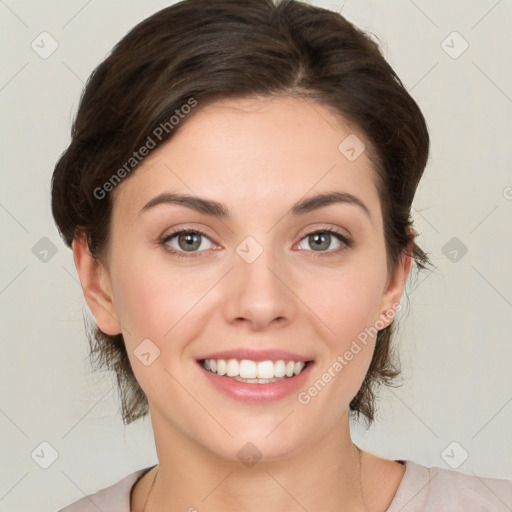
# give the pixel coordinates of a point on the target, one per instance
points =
(258, 443)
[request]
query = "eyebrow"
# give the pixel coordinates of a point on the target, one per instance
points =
(216, 209)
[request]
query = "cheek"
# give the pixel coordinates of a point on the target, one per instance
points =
(348, 301)
(347, 307)
(152, 298)
(156, 302)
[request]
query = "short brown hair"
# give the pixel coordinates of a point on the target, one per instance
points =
(219, 49)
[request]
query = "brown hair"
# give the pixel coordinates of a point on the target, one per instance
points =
(208, 50)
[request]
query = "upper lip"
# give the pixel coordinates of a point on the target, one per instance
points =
(256, 355)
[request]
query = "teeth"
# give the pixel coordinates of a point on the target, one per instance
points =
(221, 367)
(280, 368)
(232, 369)
(252, 371)
(256, 381)
(247, 369)
(296, 369)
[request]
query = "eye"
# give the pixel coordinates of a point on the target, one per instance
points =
(321, 240)
(187, 241)
(190, 243)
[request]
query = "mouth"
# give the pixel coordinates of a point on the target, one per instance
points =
(255, 372)
(255, 382)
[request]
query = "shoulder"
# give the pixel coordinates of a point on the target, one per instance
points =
(115, 498)
(425, 489)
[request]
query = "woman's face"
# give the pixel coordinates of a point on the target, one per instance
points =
(261, 280)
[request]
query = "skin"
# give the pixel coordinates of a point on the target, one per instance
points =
(257, 157)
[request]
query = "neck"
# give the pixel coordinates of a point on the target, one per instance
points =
(190, 477)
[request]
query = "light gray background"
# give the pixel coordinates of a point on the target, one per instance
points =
(455, 337)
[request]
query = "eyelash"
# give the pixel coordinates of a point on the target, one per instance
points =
(347, 243)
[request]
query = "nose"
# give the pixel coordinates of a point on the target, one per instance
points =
(258, 294)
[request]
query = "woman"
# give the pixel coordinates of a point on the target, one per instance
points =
(237, 196)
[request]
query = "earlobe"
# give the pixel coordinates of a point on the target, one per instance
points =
(96, 287)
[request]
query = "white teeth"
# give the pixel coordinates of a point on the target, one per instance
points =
(221, 367)
(279, 368)
(252, 371)
(265, 370)
(297, 369)
(247, 369)
(256, 381)
(232, 369)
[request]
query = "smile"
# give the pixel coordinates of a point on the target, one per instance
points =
(254, 372)
(255, 382)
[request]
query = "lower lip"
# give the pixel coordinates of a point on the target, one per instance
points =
(257, 393)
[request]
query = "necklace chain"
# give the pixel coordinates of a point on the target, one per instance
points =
(360, 482)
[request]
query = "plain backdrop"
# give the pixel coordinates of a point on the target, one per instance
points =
(454, 407)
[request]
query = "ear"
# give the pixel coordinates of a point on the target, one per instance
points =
(96, 286)
(395, 287)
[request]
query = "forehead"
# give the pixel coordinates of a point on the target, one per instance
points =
(261, 150)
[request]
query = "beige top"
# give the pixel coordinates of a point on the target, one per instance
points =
(422, 489)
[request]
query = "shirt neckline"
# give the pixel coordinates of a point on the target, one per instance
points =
(398, 498)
